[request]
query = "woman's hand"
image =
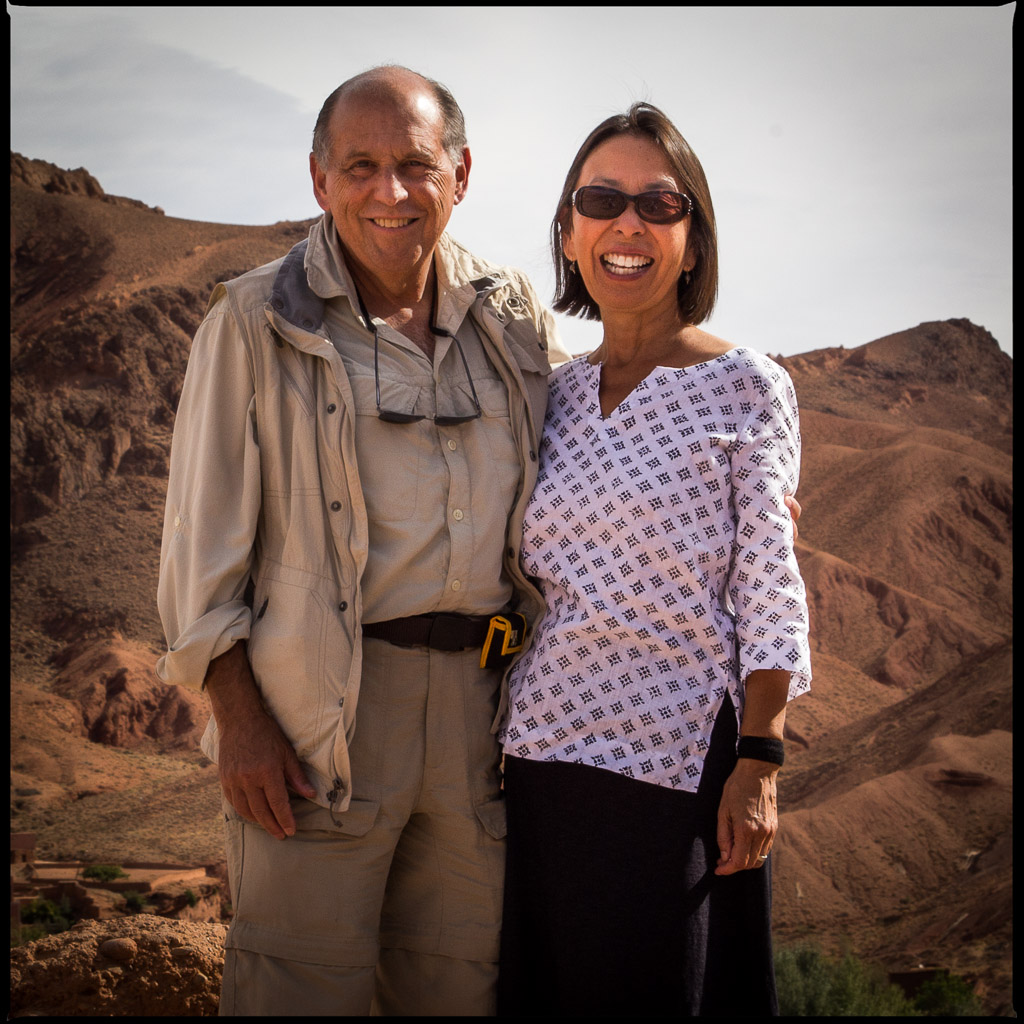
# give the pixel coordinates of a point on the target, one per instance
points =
(748, 816)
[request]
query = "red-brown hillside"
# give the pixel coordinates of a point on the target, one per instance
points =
(896, 793)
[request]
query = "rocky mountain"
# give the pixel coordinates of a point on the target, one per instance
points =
(896, 797)
(896, 793)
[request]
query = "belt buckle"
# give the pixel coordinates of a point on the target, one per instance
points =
(446, 632)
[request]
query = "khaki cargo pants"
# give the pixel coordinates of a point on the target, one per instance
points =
(393, 907)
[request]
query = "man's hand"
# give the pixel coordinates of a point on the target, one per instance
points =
(747, 816)
(257, 762)
(794, 510)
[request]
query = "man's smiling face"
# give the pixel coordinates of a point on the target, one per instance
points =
(389, 183)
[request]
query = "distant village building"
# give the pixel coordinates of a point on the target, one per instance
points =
(23, 849)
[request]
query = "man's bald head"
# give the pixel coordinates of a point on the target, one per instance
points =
(392, 83)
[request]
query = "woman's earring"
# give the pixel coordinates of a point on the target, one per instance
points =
(572, 266)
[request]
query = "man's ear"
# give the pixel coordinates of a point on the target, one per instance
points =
(462, 174)
(319, 183)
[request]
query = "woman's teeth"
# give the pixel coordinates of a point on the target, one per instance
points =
(620, 264)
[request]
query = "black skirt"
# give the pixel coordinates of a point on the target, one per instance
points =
(611, 901)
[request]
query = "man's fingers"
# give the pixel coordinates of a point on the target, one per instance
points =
(296, 778)
(279, 807)
(238, 800)
(267, 807)
(258, 766)
(269, 818)
(794, 510)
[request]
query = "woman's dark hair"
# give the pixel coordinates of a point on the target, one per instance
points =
(697, 298)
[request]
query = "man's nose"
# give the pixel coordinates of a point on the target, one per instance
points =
(389, 186)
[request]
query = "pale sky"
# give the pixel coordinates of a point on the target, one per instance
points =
(859, 158)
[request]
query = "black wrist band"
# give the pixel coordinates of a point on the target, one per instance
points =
(761, 748)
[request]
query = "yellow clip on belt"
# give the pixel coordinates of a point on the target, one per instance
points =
(512, 639)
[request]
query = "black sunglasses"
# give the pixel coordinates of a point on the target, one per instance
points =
(603, 203)
(390, 415)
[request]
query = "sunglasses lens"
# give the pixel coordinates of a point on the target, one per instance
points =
(662, 207)
(452, 421)
(397, 417)
(600, 203)
(654, 207)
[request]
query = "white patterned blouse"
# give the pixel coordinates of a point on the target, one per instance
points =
(665, 551)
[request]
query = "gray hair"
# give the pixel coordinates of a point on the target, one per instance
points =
(375, 82)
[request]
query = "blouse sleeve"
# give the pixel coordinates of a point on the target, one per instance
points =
(765, 586)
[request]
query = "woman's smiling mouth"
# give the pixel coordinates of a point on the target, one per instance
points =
(621, 264)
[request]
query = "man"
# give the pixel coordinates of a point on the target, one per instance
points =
(355, 443)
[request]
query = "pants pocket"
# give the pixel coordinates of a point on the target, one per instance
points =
(492, 817)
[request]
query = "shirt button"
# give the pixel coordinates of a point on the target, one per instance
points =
(457, 515)
(342, 606)
(331, 407)
(335, 506)
(456, 585)
(177, 520)
(452, 446)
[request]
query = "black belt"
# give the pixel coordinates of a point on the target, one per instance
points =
(500, 637)
(442, 631)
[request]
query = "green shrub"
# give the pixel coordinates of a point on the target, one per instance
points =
(191, 897)
(103, 872)
(948, 995)
(811, 984)
(46, 918)
(135, 901)
(26, 933)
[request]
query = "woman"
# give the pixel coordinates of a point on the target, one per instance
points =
(639, 830)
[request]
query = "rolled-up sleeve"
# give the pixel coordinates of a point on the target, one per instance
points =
(213, 503)
(765, 586)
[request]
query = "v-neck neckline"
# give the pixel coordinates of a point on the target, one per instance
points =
(594, 371)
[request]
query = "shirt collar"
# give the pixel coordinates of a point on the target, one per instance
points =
(330, 278)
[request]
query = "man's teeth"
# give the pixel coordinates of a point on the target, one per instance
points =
(621, 264)
(392, 223)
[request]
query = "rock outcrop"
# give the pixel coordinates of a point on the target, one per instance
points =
(123, 703)
(140, 966)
